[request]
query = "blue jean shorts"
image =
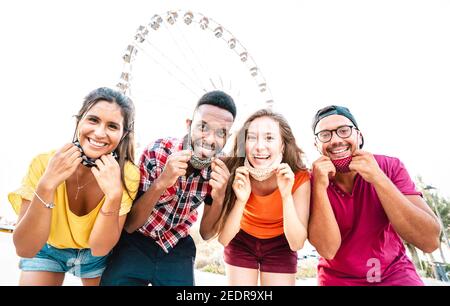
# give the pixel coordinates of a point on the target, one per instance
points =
(79, 262)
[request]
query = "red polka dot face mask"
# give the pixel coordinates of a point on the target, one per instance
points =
(342, 164)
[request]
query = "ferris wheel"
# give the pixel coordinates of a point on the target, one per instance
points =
(176, 58)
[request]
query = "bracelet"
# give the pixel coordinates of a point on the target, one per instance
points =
(109, 213)
(48, 205)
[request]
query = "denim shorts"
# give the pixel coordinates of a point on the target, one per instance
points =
(79, 262)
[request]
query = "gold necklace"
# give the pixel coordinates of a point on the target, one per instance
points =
(80, 187)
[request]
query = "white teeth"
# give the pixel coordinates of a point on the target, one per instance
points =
(261, 156)
(98, 144)
(339, 151)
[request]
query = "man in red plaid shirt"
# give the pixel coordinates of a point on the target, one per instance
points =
(177, 175)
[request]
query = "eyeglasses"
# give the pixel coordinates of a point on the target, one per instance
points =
(343, 131)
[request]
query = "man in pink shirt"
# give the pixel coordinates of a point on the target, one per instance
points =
(362, 207)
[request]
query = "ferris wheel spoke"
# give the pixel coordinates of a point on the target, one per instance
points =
(170, 63)
(183, 49)
(171, 72)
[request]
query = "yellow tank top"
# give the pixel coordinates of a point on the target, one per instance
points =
(67, 229)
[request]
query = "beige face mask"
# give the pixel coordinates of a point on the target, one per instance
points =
(262, 174)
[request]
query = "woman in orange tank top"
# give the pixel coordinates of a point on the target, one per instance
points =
(265, 213)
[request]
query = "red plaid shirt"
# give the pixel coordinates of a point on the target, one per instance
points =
(176, 209)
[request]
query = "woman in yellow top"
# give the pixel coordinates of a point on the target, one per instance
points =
(73, 202)
(265, 214)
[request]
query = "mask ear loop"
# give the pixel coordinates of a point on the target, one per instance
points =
(78, 134)
(282, 152)
(115, 153)
(316, 142)
(188, 144)
(360, 144)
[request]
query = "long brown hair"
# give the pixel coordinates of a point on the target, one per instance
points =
(292, 155)
(125, 149)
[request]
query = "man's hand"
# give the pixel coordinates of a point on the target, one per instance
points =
(323, 170)
(176, 166)
(365, 164)
(219, 179)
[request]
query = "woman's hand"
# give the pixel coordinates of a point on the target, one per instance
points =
(285, 179)
(241, 184)
(61, 166)
(107, 174)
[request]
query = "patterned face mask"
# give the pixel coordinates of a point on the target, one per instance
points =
(196, 161)
(87, 161)
(342, 164)
(199, 163)
(262, 174)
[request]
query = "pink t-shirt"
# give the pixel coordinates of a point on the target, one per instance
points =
(371, 252)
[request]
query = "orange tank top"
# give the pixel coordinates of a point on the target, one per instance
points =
(263, 215)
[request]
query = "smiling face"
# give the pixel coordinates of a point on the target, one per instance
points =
(337, 147)
(101, 129)
(264, 143)
(209, 130)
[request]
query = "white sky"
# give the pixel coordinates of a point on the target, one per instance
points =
(388, 61)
